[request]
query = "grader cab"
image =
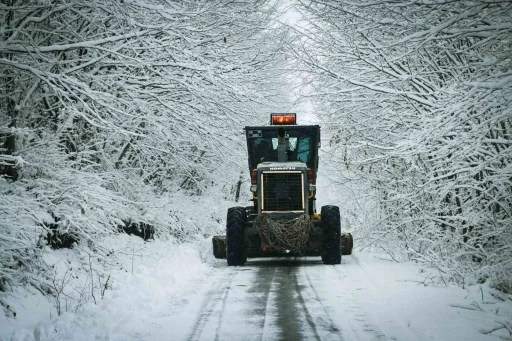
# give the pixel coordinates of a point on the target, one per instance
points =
(283, 221)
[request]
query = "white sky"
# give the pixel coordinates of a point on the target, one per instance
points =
(304, 108)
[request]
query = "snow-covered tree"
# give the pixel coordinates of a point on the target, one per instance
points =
(421, 94)
(108, 109)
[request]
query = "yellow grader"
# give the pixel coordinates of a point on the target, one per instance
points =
(283, 163)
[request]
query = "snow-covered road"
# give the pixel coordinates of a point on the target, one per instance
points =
(285, 299)
(183, 293)
(302, 299)
(279, 299)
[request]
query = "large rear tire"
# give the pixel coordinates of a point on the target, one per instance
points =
(235, 236)
(331, 228)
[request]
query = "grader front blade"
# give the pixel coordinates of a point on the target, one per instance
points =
(219, 246)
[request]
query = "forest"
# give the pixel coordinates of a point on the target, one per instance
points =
(115, 113)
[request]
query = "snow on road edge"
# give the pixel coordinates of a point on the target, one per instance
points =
(162, 271)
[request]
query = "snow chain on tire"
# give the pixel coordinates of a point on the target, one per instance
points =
(284, 236)
(331, 227)
(235, 236)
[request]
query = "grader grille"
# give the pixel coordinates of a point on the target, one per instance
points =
(282, 191)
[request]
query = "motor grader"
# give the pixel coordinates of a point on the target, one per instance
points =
(283, 221)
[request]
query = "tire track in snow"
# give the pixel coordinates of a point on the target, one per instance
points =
(294, 312)
(309, 318)
(281, 319)
(221, 317)
(282, 309)
(358, 318)
(217, 294)
(286, 315)
(328, 322)
(264, 283)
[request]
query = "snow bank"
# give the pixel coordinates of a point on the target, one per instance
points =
(162, 272)
(107, 283)
(426, 308)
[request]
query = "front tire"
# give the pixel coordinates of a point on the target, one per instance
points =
(331, 227)
(235, 236)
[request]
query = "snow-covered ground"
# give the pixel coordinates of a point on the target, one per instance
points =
(164, 291)
(145, 278)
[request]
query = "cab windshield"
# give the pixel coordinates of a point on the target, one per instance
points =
(262, 144)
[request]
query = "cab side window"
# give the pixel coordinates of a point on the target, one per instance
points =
(303, 149)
